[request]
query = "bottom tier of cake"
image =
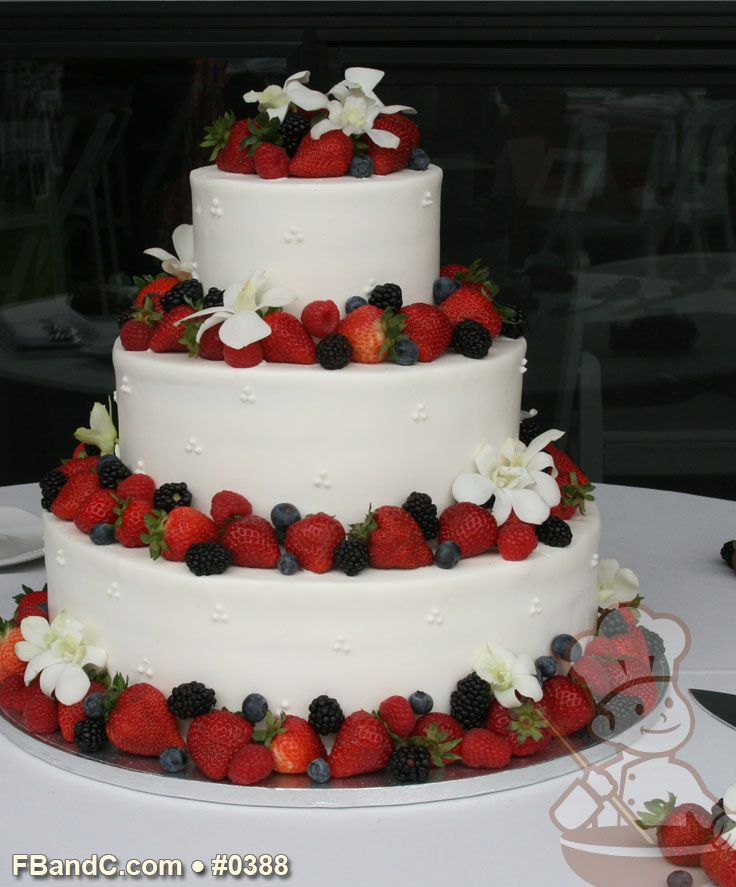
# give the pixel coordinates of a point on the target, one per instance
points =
(292, 638)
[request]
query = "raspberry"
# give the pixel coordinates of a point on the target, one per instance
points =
(227, 505)
(137, 486)
(242, 358)
(321, 318)
(398, 715)
(272, 162)
(516, 541)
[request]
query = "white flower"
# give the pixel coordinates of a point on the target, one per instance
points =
(102, 432)
(58, 653)
(355, 106)
(729, 808)
(241, 323)
(275, 100)
(182, 264)
(516, 475)
(616, 584)
(507, 673)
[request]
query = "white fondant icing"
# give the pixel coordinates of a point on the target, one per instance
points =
(322, 480)
(113, 591)
(434, 617)
(124, 386)
(419, 414)
(216, 209)
(247, 396)
(144, 669)
(293, 235)
(535, 608)
(60, 559)
(427, 200)
(193, 446)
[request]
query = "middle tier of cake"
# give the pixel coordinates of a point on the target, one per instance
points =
(327, 441)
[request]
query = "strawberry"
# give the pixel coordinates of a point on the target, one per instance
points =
(289, 342)
(271, 161)
(172, 534)
(563, 511)
(313, 540)
(154, 290)
(590, 672)
(210, 346)
(564, 464)
(39, 714)
(13, 692)
(79, 465)
(683, 830)
(472, 528)
(325, 157)
(250, 764)
(362, 745)
(70, 715)
(516, 541)
(575, 488)
(429, 328)
(718, 859)
(136, 486)
(469, 304)
(395, 539)
(371, 332)
(227, 505)
(225, 136)
(130, 527)
(73, 495)
(320, 318)
(398, 715)
(292, 741)
(388, 160)
(98, 508)
(525, 727)
(252, 542)
(452, 271)
(442, 735)
(632, 645)
(10, 664)
(214, 738)
(31, 603)
(566, 705)
(140, 722)
(242, 358)
(135, 335)
(168, 335)
(640, 683)
(482, 748)
(629, 613)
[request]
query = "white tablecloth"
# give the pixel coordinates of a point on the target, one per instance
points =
(671, 541)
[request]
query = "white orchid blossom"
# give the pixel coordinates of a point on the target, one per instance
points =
(354, 107)
(102, 432)
(275, 100)
(57, 652)
(180, 265)
(517, 476)
(241, 323)
(616, 584)
(729, 808)
(507, 673)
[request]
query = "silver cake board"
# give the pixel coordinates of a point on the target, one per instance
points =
(375, 790)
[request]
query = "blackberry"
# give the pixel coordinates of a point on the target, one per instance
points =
(213, 298)
(655, 644)
(207, 558)
(334, 352)
(325, 715)
(661, 675)
(124, 317)
(186, 292)
(529, 429)
(111, 471)
(351, 556)
(386, 295)
(471, 339)
(554, 532)
(90, 735)
(51, 484)
(515, 326)
(470, 702)
(292, 131)
(170, 496)
(613, 624)
(191, 700)
(616, 715)
(424, 512)
(410, 763)
(727, 550)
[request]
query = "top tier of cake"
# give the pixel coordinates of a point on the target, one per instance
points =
(326, 238)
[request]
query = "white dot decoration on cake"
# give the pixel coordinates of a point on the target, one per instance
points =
(341, 645)
(419, 413)
(434, 617)
(216, 208)
(60, 559)
(139, 467)
(427, 199)
(113, 591)
(293, 235)
(523, 367)
(219, 614)
(322, 480)
(246, 395)
(536, 607)
(193, 447)
(125, 385)
(144, 669)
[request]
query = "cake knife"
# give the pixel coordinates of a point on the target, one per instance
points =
(721, 706)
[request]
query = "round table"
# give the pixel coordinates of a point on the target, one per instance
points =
(670, 540)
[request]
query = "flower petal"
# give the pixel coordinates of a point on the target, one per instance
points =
(252, 96)
(183, 240)
(502, 655)
(72, 685)
(35, 630)
(299, 77)
(211, 321)
(276, 297)
(529, 506)
(366, 78)
(25, 651)
(159, 254)
(473, 488)
(626, 582)
(729, 801)
(326, 125)
(607, 569)
(383, 138)
(38, 663)
(50, 675)
(501, 506)
(541, 440)
(547, 488)
(278, 113)
(507, 698)
(94, 656)
(307, 99)
(394, 109)
(202, 313)
(486, 459)
(528, 685)
(243, 329)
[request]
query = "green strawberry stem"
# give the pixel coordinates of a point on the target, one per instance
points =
(117, 685)
(274, 726)
(656, 811)
(217, 134)
(154, 538)
(438, 745)
(577, 494)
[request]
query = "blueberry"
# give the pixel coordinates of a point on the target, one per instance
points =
(284, 514)
(421, 703)
(361, 166)
(288, 564)
(354, 302)
(406, 352)
(546, 666)
(319, 770)
(442, 288)
(419, 159)
(93, 705)
(679, 878)
(254, 707)
(447, 555)
(566, 647)
(102, 534)
(173, 760)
